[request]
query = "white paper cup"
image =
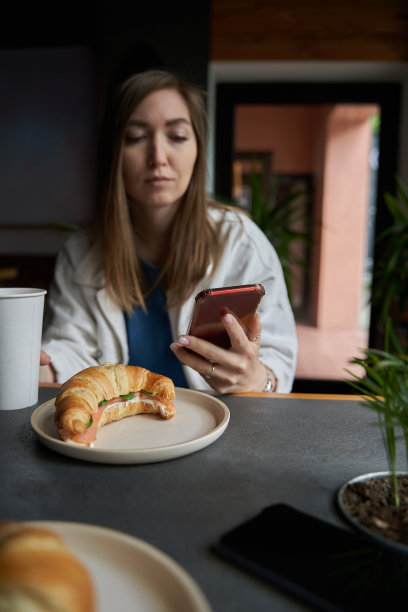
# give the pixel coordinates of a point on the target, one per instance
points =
(21, 318)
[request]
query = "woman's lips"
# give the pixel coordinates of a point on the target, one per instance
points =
(158, 181)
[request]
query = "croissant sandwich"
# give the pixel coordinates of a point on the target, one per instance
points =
(102, 394)
(39, 573)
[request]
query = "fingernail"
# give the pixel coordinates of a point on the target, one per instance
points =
(183, 340)
(228, 318)
(173, 347)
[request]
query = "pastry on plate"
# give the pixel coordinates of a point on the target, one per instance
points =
(100, 395)
(39, 573)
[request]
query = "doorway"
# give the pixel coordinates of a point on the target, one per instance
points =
(341, 140)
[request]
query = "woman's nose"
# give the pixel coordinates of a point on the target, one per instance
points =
(156, 154)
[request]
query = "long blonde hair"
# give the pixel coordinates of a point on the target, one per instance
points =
(194, 242)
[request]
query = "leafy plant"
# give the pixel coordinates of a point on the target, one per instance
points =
(390, 279)
(280, 219)
(385, 390)
(384, 383)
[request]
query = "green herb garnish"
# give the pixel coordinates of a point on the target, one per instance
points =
(103, 402)
(129, 396)
(89, 423)
(147, 392)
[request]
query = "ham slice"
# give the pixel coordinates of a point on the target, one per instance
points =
(117, 409)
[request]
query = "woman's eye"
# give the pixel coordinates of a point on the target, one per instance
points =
(178, 137)
(132, 139)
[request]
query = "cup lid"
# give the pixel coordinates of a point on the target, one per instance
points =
(18, 292)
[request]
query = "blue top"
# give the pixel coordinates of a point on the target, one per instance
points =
(149, 334)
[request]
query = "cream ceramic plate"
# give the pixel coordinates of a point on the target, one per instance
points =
(130, 574)
(200, 419)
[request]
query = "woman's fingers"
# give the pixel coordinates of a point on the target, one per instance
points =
(239, 339)
(197, 354)
(254, 329)
(47, 372)
(227, 371)
(44, 358)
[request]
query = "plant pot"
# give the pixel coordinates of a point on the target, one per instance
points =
(367, 502)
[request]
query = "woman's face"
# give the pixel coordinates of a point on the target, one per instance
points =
(160, 150)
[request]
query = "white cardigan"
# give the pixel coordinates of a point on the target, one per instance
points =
(83, 327)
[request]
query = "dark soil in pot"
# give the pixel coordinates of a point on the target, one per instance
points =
(371, 504)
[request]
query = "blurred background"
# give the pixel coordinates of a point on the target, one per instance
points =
(308, 129)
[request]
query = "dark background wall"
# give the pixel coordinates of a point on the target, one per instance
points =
(57, 65)
(136, 34)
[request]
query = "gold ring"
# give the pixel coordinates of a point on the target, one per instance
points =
(208, 376)
(255, 338)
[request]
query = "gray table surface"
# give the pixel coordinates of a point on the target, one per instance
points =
(291, 450)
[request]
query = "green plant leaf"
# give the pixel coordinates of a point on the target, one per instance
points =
(280, 219)
(384, 388)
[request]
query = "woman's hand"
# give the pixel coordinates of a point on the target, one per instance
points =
(47, 372)
(45, 359)
(235, 370)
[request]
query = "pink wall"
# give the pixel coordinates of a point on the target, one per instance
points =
(345, 199)
(332, 143)
(290, 132)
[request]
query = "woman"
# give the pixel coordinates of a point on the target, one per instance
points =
(124, 292)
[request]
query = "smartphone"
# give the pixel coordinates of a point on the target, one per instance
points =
(331, 568)
(211, 304)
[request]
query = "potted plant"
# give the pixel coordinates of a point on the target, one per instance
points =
(390, 278)
(378, 503)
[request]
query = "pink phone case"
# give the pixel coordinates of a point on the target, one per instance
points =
(242, 301)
